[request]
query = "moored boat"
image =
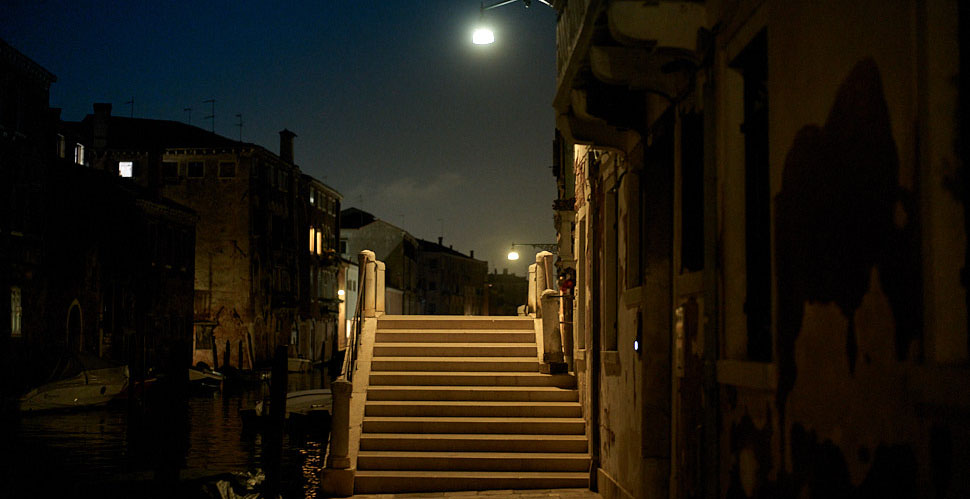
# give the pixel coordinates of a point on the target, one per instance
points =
(81, 383)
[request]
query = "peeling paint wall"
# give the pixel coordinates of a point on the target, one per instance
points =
(847, 374)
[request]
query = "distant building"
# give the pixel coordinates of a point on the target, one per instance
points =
(120, 266)
(251, 264)
(319, 329)
(392, 245)
(93, 263)
(506, 292)
(27, 131)
(450, 282)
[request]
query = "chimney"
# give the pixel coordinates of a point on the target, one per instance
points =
(286, 145)
(471, 254)
(439, 241)
(102, 114)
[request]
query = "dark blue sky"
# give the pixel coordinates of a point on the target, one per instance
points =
(392, 104)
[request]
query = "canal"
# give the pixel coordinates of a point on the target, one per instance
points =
(115, 451)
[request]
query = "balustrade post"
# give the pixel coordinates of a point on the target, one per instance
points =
(340, 425)
(546, 261)
(552, 355)
(533, 302)
(366, 261)
(379, 289)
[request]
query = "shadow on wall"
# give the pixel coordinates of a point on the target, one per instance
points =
(840, 213)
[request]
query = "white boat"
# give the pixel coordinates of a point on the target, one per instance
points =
(297, 365)
(304, 402)
(90, 387)
(202, 375)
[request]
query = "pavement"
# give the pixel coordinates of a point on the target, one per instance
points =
(492, 494)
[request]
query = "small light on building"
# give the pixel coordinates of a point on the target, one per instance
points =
(513, 255)
(340, 293)
(636, 345)
(126, 169)
(483, 36)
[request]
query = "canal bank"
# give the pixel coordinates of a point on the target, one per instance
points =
(120, 450)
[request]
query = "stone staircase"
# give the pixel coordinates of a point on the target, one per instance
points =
(458, 403)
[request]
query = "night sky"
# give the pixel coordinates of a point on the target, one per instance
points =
(391, 102)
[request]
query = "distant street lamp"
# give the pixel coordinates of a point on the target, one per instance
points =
(514, 255)
(483, 35)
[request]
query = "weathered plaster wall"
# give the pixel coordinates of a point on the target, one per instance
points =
(222, 255)
(846, 172)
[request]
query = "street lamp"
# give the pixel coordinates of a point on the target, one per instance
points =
(514, 255)
(483, 35)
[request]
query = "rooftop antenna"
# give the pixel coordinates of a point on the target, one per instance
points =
(441, 226)
(240, 125)
(189, 110)
(212, 115)
(131, 110)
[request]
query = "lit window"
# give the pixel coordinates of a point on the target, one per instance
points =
(196, 169)
(16, 313)
(227, 170)
(79, 154)
(313, 197)
(319, 243)
(313, 238)
(126, 169)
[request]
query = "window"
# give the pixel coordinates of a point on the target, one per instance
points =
(343, 246)
(319, 243)
(79, 154)
(170, 169)
(196, 169)
(126, 169)
(752, 64)
(692, 193)
(16, 313)
(432, 285)
(313, 239)
(313, 197)
(227, 169)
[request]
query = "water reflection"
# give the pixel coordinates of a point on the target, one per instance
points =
(85, 452)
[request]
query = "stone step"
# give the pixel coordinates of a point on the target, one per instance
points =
(472, 461)
(455, 364)
(473, 442)
(523, 425)
(446, 336)
(470, 378)
(454, 322)
(495, 393)
(377, 481)
(476, 408)
(454, 350)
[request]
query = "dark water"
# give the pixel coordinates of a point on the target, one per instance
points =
(88, 452)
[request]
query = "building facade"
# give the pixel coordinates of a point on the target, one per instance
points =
(450, 282)
(95, 264)
(762, 204)
(319, 330)
(252, 270)
(392, 245)
(506, 292)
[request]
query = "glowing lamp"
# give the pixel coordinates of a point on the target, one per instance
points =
(483, 36)
(513, 255)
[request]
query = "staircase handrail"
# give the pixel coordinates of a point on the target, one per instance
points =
(350, 356)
